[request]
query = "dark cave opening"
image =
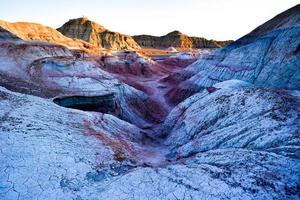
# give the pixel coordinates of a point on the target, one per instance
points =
(103, 103)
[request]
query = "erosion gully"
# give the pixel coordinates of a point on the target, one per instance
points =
(151, 150)
(154, 152)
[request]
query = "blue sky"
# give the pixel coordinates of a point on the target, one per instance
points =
(213, 19)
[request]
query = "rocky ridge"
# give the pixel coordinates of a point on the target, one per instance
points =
(178, 40)
(268, 57)
(91, 32)
(39, 33)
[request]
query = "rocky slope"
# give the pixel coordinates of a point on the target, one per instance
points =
(177, 39)
(39, 33)
(91, 32)
(235, 138)
(269, 56)
(86, 155)
(269, 120)
(57, 73)
(7, 36)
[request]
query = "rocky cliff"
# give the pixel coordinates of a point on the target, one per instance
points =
(177, 39)
(89, 31)
(37, 32)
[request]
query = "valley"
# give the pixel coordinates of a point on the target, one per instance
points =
(88, 113)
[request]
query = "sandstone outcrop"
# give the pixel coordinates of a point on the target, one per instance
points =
(91, 32)
(177, 39)
(39, 33)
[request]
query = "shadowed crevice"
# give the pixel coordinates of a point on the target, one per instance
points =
(104, 103)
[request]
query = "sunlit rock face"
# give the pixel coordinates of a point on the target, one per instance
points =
(127, 126)
(177, 39)
(82, 28)
(38, 33)
(89, 31)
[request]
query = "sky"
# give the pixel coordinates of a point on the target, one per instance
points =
(212, 19)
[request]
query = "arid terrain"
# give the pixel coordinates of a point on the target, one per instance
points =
(89, 113)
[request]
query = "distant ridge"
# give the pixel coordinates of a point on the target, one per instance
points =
(36, 32)
(179, 40)
(89, 31)
(87, 35)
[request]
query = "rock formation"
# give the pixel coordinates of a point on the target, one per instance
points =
(268, 56)
(221, 124)
(7, 36)
(91, 32)
(37, 32)
(233, 134)
(177, 39)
